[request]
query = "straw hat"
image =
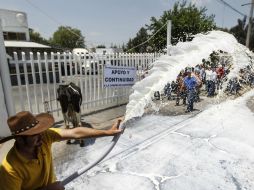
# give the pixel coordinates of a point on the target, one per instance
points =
(25, 123)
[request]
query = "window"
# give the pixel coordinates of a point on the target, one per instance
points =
(5, 35)
(21, 36)
(14, 36)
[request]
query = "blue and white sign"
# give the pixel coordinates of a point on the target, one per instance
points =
(119, 76)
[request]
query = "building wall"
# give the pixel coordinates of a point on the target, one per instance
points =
(4, 129)
(104, 51)
(14, 21)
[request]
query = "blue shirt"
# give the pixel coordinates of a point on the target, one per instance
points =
(190, 83)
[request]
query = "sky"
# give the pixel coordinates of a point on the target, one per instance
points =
(109, 22)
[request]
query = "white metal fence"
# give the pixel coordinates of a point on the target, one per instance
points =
(35, 79)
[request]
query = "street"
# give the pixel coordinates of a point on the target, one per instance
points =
(157, 152)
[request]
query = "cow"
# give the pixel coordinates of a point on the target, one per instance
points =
(70, 99)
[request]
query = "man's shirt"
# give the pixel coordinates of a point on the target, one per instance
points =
(20, 173)
(220, 72)
(211, 75)
(190, 83)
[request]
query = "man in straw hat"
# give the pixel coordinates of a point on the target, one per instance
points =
(28, 165)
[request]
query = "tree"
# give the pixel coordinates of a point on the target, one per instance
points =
(36, 37)
(101, 46)
(67, 37)
(124, 47)
(135, 44)
(187, 20)
(252, 38)
(129, 46)
(113, 45)
(240, 31)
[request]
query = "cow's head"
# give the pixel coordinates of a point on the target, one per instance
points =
(63, 97)
(62, 93)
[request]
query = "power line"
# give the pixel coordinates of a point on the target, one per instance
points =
(231, 7)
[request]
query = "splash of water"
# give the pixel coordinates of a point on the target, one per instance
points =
(184, 54)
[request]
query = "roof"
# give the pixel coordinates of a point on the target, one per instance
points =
(80, 51)
(24, 44)
(12, 10)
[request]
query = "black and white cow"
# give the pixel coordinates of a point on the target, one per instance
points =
(70, 99)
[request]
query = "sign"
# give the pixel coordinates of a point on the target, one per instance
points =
(119, 76)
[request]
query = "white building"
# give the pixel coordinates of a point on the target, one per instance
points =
(14, 25)
(16, 33)
(104, 51)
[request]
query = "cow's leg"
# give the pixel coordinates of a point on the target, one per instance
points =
(66, 125)
(66, 122)
(78, 116)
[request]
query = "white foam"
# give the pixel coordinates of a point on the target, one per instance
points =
(184, 54)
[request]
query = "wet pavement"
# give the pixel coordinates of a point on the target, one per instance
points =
(190, 151)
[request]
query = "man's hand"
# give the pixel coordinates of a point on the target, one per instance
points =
(53, 186)
(115, 128)
(84, 132)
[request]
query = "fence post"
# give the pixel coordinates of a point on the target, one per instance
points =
(169, 36)
(5, 75)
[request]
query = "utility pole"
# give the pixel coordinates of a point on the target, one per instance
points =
(169, 25)
(250, 25)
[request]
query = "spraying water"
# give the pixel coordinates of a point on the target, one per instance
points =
(185, 54)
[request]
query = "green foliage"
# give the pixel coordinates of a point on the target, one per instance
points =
(214, 59)
(101, 46)
(67, 37)
(252, 39)
(187, 20)
(135, 44)
(113, 45)
(240, 31)
(36, 37)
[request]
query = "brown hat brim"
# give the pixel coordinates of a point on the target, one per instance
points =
(5, 139)
(45, 121)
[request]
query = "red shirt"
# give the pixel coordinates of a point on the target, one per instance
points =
(220, 72)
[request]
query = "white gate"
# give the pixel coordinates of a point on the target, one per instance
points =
(35, 79)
